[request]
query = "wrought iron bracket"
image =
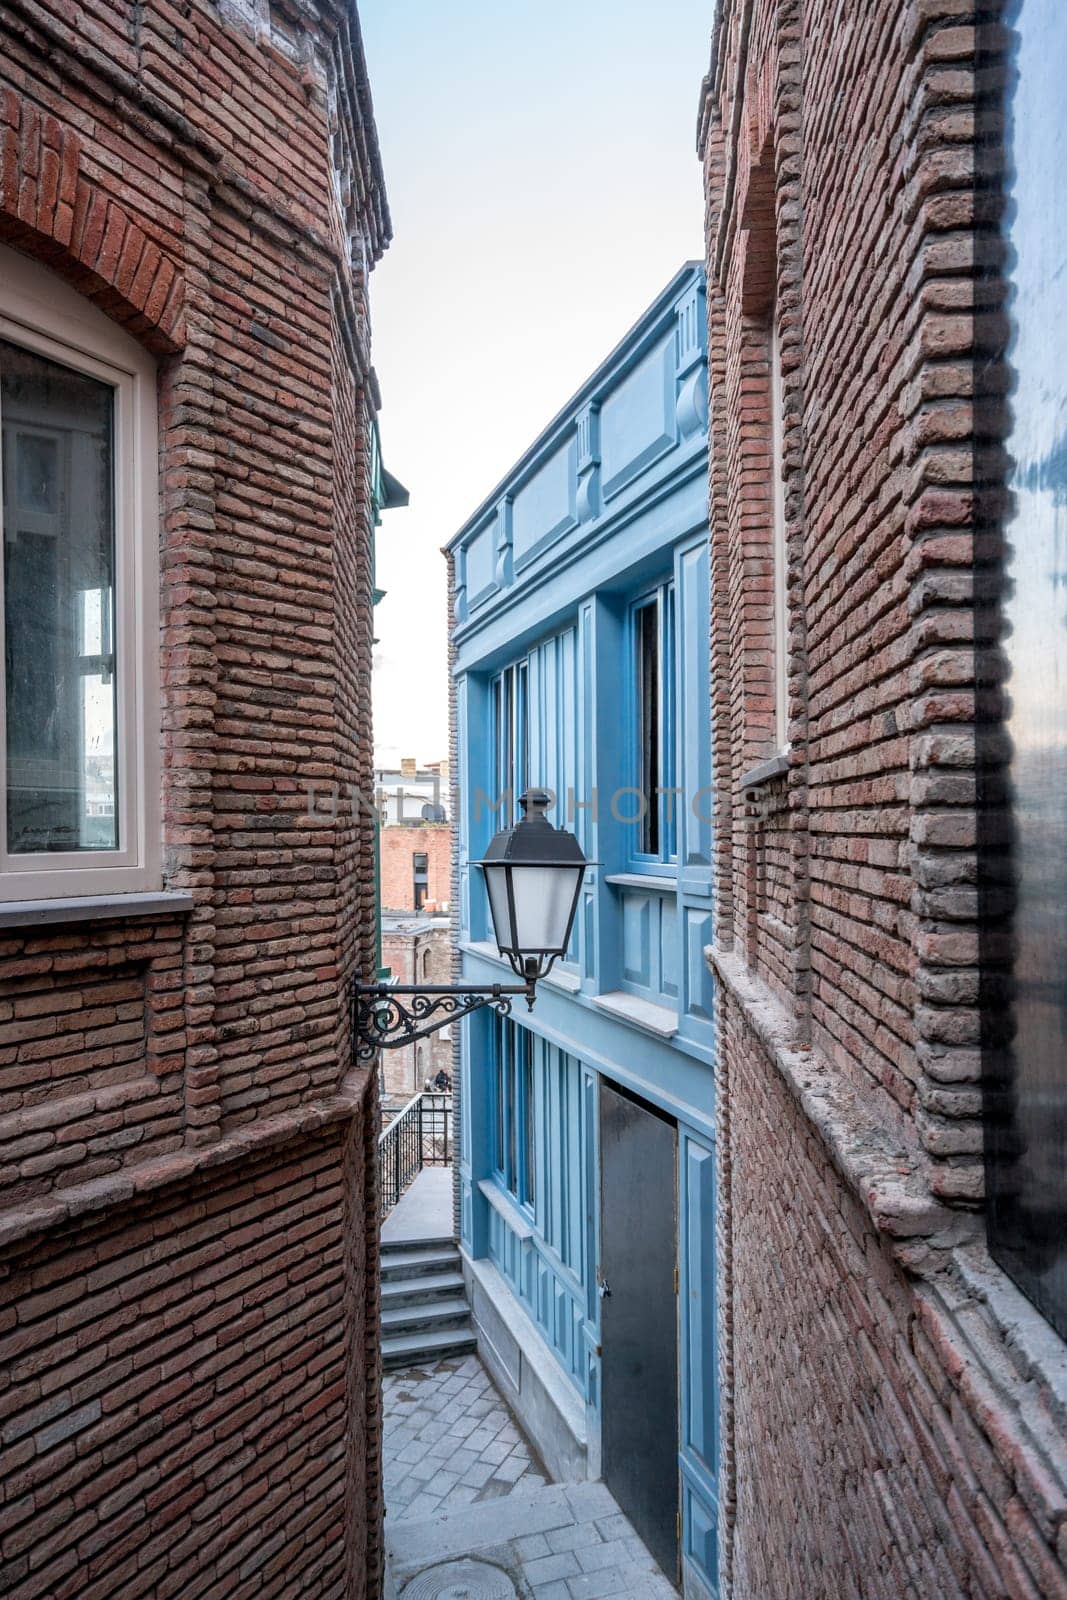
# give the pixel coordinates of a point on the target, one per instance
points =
(388, 1015)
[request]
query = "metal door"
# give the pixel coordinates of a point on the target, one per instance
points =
(639, 1319)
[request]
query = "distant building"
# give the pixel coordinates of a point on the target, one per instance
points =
(416, 949)
(409, 794)
(415, 867)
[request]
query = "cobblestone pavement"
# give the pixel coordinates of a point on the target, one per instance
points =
(469, 1508)
(450, 1441)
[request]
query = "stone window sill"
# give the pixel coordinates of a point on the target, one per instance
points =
(93, 908)
(766, 771)
(658, 1020)
(648, 882)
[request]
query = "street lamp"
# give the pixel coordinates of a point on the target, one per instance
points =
(533, 875)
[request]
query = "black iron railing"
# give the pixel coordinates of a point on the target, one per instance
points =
(420, 1136)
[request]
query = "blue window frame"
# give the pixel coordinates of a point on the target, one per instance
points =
(654, 756)
(511, 737)
(513, 1111)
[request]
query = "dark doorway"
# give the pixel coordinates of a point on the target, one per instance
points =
(639, 1319)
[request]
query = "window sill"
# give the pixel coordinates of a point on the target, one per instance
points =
(93, 908)
(512, 1213)
(560, 978)
(766, 771)
(648, 882)
(658, 1020)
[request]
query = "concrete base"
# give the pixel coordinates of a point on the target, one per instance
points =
(547, 1405)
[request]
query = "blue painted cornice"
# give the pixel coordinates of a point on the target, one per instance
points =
(635, 427)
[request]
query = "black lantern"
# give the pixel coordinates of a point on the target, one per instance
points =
(533, 875)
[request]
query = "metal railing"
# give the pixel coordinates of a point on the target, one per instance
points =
(420, 1136)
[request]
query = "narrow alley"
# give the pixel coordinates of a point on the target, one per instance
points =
(470, 1511)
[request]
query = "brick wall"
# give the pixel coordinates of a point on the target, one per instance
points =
(422, 954)
(892, 1416)
(190, 1378)
(398, 846)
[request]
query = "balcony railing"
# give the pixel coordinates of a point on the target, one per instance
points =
(421, 1136)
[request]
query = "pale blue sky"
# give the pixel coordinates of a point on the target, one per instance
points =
(542, 175)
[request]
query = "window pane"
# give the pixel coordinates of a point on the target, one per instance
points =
(668, 770)
(528, 1170)
(501, 1098)
(59, 561)
(507, 743)
(648, 726)
(522, 717)
(512, 1085)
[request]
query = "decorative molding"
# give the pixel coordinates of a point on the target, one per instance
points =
(587, 498)
(504, 569)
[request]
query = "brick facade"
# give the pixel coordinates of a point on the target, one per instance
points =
(892, 1417)
(188, 1315)
(416, 950)
(398, 847)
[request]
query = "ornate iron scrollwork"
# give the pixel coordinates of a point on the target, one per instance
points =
(386, 1015)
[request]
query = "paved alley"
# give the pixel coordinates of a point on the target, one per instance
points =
(470, 1511)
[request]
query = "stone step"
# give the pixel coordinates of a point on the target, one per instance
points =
(427, 1314)
(415, 1261)
(420, 1290)
(392, 1247)
(424, 1349)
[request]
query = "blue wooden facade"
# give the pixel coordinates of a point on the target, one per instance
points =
(581, 637)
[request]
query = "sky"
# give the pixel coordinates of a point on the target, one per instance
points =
(542, 176)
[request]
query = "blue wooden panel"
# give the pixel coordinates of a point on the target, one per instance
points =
(700, 1376)
(699, 996)
(637, 419)
(544, 507)
(699, 1379)
(701, 1534)
(481, 565)
(638, 911)
(669, 962)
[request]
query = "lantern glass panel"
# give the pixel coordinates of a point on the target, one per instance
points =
(543, 899)
(496, 881)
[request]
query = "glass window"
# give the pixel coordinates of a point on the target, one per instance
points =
(79, 596)
(648, 731)
(514, 1111)
(511, 738)
(653, 630)
(60, 675)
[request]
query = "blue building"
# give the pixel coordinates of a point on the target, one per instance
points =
(586, 1186)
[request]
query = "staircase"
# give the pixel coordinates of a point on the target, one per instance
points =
(425, 1316)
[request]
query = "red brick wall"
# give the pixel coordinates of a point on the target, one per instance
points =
(424, 957)
(398, 846)
(179, 1126)
(178, 1407)
(883, 1431)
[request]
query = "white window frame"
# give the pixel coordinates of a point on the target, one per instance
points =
(778, 548)
(41, 313)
